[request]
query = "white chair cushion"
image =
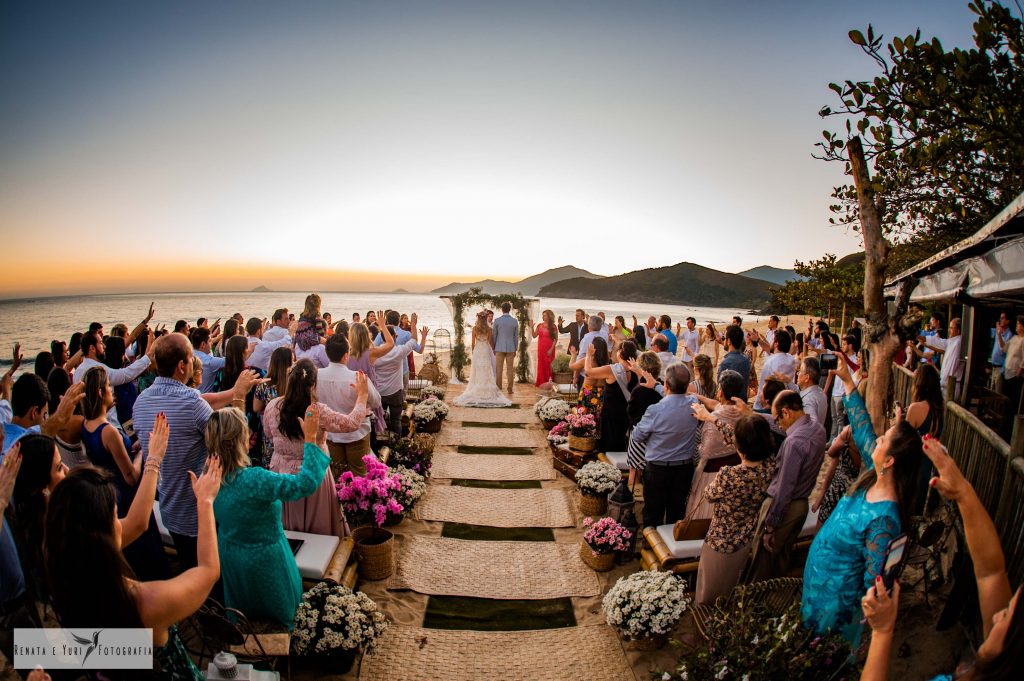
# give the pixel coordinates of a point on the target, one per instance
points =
(683, 550)
(314, 556)
(565, 388)
(617, 459)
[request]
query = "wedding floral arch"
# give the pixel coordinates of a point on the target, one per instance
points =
(522, 306)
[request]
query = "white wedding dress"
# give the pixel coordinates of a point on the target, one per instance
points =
(482, 391)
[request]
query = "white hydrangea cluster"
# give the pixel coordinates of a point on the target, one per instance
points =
(432, 391)
(332, 617)
(645, 603)
(414, 485)
(551, 409)
(598, 478)
(429, 409)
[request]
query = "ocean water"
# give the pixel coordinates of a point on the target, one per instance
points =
(35, 322)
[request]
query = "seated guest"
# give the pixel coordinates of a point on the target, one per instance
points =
(334, 386)
(248, 511)
(93, 586)
(320, 512)
(669, 431)
(619, 382)
(735, 494)
(715, 450)
(648, 391)
(735, 359)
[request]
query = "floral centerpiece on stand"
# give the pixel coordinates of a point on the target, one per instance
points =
(414, 486)
(645, 606)
(749, 640)
(370, 501)
(415, 453)
(429, 414)
(601, 539)
(333, 624)
(551, 410)
(582, 429)
(596, 481)
(432, 391)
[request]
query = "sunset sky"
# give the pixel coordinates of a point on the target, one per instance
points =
(372, 145)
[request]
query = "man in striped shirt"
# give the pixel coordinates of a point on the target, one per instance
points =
(187, 411)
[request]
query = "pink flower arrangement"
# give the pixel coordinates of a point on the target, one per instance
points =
(581, 424)
(371, 498)
(605, 536)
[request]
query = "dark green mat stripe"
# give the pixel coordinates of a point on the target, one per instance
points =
(484, 533)
(485, 614)
(489, 424)
(498, 484)
(514, 451)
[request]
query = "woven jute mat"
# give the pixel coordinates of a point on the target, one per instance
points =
(493, 569)
(413, 654)
(498, 507)
(452, 435)
(459, 414)
(491, 467)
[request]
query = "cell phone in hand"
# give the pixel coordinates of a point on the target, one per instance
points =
(894, 561)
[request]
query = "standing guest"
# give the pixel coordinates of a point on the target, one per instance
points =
(69, 438)
(319, 513)
(202, 349)
(737, 320)
(848, 358)
(1013, 369)
(659, 345)
(842, 469)
(236, 355)
(669, 431)
(110, 449)
(93, 353)
(952, 363)
(779, 364)
(59, 352)
(342, 328)
(736, 495)
(43, 365)
(279, 324)
(813, 397)
(355, 317)
(716, 447)
(310, 331)
(181, 326)
(334, 387)
(389, 379)
(580, 355)
(648, 391)
(848, 552)
(620, 381)
(576, 330)
(704, 376)
(248, 511)
(306, 348)
(260, 350)
(591, 393)
(92, 585)
(547, 343)
(1001, 335)
(709, 341)
(639, 336)
(769, 334)
(506, 341)
(277, 382)
(231, 329)
(924, 414)
(734, 359)
(363, 356)
(74, 343)
(124, 394)
(330, 324)
(202, 323)
(618, 333)
(689, 342)
(785, 511)
(29, 408)
(394, 320)
(187, 411)
(665, 328)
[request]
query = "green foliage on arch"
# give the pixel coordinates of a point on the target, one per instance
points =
(476, 296)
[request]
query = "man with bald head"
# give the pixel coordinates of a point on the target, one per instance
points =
(187, 412)
(784, 511)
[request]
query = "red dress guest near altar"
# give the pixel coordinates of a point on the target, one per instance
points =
(545, 353)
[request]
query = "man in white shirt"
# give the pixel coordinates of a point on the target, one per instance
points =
(769, 335)
(92, 350)
(779, 363)
(278, 326)
(604, 327)
(813, 397)
(335, 388)
(389, 378)
(659, 346)
(260, 350)
(689, 343)
(200, 338)
(949, 350)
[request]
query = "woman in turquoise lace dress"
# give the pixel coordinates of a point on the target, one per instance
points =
(849, 550)
(257, 565)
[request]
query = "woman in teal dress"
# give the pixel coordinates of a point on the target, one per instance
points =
(849, 550)
(257, 565)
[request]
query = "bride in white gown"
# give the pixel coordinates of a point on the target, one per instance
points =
(482, 390)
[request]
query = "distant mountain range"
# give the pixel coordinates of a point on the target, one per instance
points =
(770, 274)
(530, 286)
(681, 284)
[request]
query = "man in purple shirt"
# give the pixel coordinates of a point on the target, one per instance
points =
(785, 509)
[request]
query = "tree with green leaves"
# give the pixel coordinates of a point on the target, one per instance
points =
(827, 287)
(942, 132)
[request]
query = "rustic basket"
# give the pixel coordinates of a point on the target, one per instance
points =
(561, 377)
(650, 642)
(593, 506)
(376, 550)
(582, 444)
(433, 426)
(602, 562)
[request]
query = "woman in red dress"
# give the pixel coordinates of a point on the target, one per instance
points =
(547, 343)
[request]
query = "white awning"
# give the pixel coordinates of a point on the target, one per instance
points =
(999, 272)
(943, 285)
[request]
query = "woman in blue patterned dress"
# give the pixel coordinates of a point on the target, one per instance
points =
(257, 565)
(849, 550)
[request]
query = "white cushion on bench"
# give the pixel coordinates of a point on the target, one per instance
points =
(617, 459)
(683, 550)
(565, 388)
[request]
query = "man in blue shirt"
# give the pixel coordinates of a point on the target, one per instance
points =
(1001, 335)
(669, 430)
(665, 329)
(735, 359)
(201, 348)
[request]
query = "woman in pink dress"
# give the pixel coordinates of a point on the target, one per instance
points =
(320, 512)
(547, 343)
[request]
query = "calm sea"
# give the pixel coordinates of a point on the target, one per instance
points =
(35, 322)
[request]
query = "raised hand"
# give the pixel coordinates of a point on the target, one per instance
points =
(413, 319)
(206, 486)
(158, 438)
(9, 473)
(880, 607)
(560, 320)
(149, 315)
(245, 381)
(311, 424)
(16, 358)
(950, 482)
(66, 407)
(361, 386)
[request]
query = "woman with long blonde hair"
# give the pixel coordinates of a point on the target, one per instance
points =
(482, 390)
(362, 355)
(705, 383)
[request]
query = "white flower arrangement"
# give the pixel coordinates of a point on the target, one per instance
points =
(551, 409)
(414, 486)
(431, 391)
(428, 410)
(332, 618)
(598, 478)
(645, 603)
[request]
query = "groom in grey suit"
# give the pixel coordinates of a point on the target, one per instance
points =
(505, 337)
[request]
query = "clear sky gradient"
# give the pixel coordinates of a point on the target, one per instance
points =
(370, 145)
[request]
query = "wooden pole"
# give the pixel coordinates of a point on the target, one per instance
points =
(842, 324)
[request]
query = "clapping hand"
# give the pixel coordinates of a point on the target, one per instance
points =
(206, 486)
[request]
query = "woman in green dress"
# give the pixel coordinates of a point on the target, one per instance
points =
(257, 565)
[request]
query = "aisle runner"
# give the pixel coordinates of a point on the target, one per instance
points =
(491, 467)
(459, 414)
(486, 437)
(498, 507)
(493, 569)
(412, 654)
